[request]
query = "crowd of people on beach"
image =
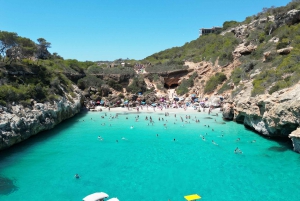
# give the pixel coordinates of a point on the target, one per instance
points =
(183, 120)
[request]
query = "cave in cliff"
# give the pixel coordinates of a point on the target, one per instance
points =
(172, 86)
(171, 82)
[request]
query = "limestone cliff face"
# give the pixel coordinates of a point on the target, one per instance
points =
(295, 136)
(20, 123)
(272, 115)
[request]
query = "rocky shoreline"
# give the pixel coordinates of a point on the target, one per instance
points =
(19, 123)
(276, 115)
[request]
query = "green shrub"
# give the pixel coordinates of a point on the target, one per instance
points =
(113, 84)
(282, 43)
(225, 87)
(137, 85)
(2, 103)
(185, 84)
(229, 24)
(214, 81)
(121, 96)
(26, 103)
(73, 95)
(205, 48)
(166, 67)
(89, 81)
(258, 88)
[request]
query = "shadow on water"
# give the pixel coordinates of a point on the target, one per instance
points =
(284, 143)
(207, 118)
(7, 186)
(278, 149)
(220, 122)
(41, 137)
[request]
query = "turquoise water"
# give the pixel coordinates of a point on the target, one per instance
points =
(144, 166)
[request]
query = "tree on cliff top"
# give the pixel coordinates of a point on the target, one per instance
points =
(42, 50)
(7, 41)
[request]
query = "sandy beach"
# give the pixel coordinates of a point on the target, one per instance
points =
(144, 109)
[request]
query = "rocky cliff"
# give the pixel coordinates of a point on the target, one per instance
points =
(271, 115)
(19, 123)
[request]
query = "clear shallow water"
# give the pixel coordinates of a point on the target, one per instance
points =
(149, 167)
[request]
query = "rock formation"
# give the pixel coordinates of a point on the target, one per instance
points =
(19, 123)
(242, 49)
(295, 136)
(271, 115)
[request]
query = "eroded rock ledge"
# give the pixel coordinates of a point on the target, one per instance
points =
(272, 115)
(295, 136)
(20, 123)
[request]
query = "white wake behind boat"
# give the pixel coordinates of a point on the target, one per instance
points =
(99, 196)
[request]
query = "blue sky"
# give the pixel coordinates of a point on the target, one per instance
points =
(111, 29)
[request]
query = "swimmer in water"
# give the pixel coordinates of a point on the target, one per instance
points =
(203, 138)
(131, 127)
(214, 142)
(238, 139)
(238, 151)
(76, 176)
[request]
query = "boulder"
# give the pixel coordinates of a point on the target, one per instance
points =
(243, 50)
(285, 51)
(228, 110)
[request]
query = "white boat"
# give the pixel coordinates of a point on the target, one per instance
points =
(99, 196)
(113, 199)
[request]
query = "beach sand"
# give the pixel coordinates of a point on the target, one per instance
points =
(188, 110)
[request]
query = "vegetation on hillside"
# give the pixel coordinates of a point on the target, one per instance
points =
(206, 48)
(214, 81)
(29, 71)
(168, 66)
(183, 88)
